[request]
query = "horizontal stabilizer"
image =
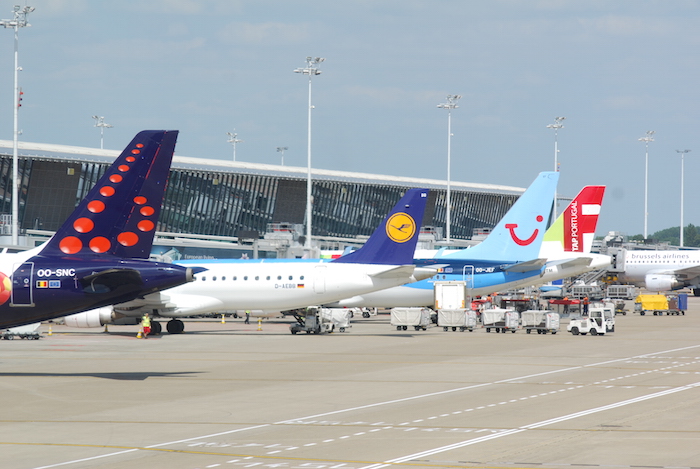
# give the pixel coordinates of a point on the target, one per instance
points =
(571, 262)
(528, 266)
(395, 272)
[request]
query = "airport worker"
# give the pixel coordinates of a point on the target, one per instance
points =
(247, 316)
(586, 302)
(146, 324)
(566, 305)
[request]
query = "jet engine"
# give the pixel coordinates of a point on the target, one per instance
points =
(99, 317)
(662, 282)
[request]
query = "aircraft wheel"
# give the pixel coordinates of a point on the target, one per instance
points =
(175, 326)
(156, 328)
(365, 314)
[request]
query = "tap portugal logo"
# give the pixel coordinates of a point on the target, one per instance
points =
(400, 227)
(5, 288)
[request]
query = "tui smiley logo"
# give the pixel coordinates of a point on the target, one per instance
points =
(523, 242)
(400, 227)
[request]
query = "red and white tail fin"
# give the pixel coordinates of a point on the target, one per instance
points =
(574, 229)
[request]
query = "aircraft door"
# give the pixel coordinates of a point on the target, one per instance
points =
(468, 277)
(320, 279)
(22, 289)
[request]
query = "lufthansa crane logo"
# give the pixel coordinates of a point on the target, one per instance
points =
(400, 227)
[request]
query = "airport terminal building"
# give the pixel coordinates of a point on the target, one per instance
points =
(225, 199)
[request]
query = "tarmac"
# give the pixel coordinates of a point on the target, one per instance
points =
(232, 396)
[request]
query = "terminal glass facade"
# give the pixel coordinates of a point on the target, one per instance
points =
(227, 203)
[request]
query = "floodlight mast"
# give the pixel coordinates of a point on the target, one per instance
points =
(449, 105)
(310, 70)
(282, 150)
(100, 122)
(556, 126)
(19, 21)
(233, 140)
(682, 153)
(648, 138)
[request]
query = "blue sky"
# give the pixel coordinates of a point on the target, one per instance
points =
(613, 69)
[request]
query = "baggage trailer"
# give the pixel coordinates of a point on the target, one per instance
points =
(340, 317)
(660, 304)
(542, 321)
(402, 318)
(462, 319)
(500, 319)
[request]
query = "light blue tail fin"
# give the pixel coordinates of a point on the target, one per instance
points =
(518, 236)
(394, 241)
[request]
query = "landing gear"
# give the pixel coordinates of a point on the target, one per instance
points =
(156, 328)
(175, 326)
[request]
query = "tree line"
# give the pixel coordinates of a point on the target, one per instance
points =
(672, 236)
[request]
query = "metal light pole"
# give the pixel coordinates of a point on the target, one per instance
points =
(449, 105)
(282, 150)
(19, 21)
(310, 70)
(556, 126)
(233, 140)
(648, 138)
(682, 153)
(100, 122)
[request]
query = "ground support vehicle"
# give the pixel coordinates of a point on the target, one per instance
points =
(659, 305)
(622, 292)
(600, 321)
(403, 318)
(28, 331)
(542, 321)
(500, 319)
(312, 321)
(462, 319)
(340, 317)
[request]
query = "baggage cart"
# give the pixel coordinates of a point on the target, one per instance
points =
(499, 319)
(339, 317)
(542, 321)
(28, 331)
(418, 318)
(462, 319)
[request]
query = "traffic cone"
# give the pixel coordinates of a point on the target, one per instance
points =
(50, 331)
(260, 324)
(223, 321)
(140, 334)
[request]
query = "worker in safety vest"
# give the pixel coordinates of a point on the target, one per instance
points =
(247, 317)
(586, 302)
(146, 325)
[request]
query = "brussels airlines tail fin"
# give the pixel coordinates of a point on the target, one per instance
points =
(574, 230)
(119, 215)
(518, 236)
(394, 241)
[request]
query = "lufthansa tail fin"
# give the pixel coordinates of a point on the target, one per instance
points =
(394, 241)
(119, 215)
(574, 230)
(518, 236)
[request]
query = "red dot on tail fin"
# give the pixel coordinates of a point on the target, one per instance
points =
(107, 191)
(70, 245)
(146, 225)
(128, 238)
(100, 244)
(96, 206)
(83, 225)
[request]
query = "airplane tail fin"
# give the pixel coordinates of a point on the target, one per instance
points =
(518, 236)
(574, 229)
(394, 241)
(119, 215)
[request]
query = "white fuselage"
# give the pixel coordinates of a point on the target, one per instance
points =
(639, 264)
(281, 286)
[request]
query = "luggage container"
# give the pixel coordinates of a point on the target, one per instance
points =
(462, 319)
(655, 304)
(542, 321)
(500, 319)
(340, 317)
(402, 318)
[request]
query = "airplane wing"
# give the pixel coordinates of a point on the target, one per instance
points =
(527, 266)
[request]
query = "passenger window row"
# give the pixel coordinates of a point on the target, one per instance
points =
(244, 278)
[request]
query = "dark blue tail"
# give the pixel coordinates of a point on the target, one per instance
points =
(394, 241)
(120, 213)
